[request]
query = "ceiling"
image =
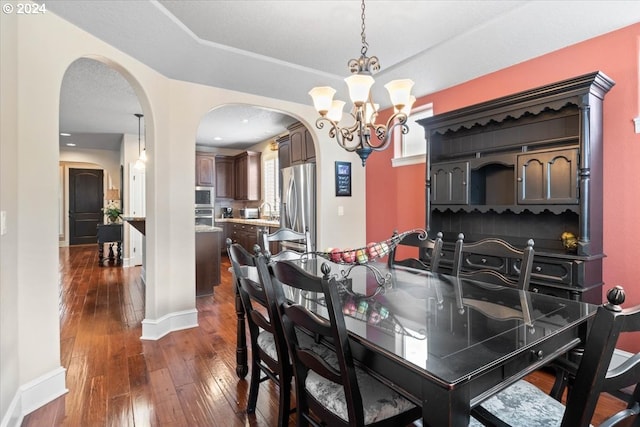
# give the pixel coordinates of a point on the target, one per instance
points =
(281, 49)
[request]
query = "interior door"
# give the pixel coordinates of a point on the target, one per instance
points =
(137, 209)
(85, 205)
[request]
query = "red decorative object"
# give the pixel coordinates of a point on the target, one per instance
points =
(367, 253)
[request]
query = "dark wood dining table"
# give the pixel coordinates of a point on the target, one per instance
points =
(446, 343)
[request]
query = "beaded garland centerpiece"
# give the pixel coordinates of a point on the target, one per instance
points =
(362, 256)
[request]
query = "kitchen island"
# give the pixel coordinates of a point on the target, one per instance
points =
(208, 244)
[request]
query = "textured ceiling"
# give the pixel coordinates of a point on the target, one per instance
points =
(281, 49)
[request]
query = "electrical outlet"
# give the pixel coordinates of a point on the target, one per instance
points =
(340, 210)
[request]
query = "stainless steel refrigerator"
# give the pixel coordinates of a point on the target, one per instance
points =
(298, 201)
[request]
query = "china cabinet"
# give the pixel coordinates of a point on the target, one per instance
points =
(528, 165)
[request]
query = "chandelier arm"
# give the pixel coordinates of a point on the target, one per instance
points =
(341, 134)
(384, 132)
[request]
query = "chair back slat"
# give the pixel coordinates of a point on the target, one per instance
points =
(255, 303)
(593, 375)
(499, 249)
(288, 235)
(297, 318)
(429, 251)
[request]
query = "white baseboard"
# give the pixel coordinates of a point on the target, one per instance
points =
(33, 395)
(156, 329)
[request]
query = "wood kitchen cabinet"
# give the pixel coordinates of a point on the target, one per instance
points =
(244, 234)
(247, 176)
(207, 261)
(205, 169)
(523, 166)
(225, 177)
(301, 145)
(284, 151)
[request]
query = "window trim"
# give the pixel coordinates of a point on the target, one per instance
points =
(398, 145)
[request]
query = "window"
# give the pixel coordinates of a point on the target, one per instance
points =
(272, 184)
(411, 148)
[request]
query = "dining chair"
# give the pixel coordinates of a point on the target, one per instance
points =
(298, 243)
(523, 404)
(269, 353)
(429, 251)
(486, 260)
(330, 389)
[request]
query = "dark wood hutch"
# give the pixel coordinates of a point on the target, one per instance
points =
(528, 165)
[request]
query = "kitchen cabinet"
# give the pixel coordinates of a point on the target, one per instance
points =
(225, 177)
(207, 261)
(247, 176)
(205, 169)
(244, 234)
(523, 166)
(301, 145)
(284, 152)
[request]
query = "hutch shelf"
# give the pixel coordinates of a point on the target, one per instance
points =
(528, 165)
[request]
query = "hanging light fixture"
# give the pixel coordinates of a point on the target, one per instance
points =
(357, 137)
(142, 155)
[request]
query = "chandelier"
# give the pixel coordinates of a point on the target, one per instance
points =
(358, 135)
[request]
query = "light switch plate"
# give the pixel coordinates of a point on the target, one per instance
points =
(3, 223)
(340, 210)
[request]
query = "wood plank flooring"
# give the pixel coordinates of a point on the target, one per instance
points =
(187, 378)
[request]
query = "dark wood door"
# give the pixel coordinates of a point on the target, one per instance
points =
(85, 205)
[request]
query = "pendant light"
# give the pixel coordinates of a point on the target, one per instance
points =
(142, 155)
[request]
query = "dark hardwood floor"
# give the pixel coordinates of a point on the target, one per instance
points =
(187, 378)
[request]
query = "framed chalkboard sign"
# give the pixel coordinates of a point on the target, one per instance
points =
(343, 179)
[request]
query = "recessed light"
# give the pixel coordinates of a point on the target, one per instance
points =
(245, 120)
(217, 138)
(64, 134)
(70, 144)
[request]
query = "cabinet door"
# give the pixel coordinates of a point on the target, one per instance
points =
(240, 168)
(297, 146)
(284, 152)
(309, 148)
(224, 177)
(205, 170)
(548, 177)
(301, 148)
(449, 183)
(247, 176)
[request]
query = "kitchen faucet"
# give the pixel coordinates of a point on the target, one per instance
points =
(266, 204)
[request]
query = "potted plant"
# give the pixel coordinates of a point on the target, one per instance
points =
(112, 212)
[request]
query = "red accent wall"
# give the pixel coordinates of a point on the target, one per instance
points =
(396, 196)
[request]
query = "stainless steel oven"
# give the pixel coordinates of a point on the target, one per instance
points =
(204, 216)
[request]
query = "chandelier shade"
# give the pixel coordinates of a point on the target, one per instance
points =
(364, 135)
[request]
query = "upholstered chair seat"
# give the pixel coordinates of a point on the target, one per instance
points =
(379, 402)
(524, 405)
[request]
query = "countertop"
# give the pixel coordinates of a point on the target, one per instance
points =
(207, 229)
(259, 222)
(137, 222)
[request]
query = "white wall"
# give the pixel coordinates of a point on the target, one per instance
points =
(9, 334)
(30, 83)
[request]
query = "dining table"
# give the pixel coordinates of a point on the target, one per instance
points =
(446, 343)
